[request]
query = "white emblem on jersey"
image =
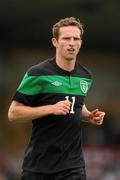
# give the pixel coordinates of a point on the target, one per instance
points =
(84, 86)
(56, 83)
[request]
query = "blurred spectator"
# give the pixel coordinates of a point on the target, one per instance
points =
(8, 167)
(111, 124)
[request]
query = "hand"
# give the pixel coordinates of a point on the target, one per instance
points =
(61, 108)
(96, 117)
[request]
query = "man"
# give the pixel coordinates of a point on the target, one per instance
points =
(51, 95)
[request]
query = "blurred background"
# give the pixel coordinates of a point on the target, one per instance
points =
(25, 39)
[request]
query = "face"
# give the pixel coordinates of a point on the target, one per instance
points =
(69, 42)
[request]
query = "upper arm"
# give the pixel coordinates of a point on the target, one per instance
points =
(14, 104)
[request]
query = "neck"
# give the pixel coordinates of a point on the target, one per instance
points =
(65, 64)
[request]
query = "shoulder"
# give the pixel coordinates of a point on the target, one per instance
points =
(84, 71)
(39, 69)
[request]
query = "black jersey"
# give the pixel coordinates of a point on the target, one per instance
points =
(55, 142)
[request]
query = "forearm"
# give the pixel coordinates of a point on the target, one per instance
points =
(85, 113)
(26, 113)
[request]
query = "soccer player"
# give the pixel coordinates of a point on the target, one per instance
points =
(51, 95)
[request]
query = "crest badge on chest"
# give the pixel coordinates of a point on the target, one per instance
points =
(84, 86)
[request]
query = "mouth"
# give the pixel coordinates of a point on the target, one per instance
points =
(71, 50)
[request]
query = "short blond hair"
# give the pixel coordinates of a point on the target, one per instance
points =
(69, 21)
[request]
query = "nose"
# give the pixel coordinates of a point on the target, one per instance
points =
(71, 42)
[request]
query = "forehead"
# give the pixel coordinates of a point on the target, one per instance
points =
(69, 31)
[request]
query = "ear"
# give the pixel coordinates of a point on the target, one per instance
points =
(54, 42)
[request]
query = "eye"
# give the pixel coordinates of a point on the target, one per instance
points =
(76, 38)
(66, 38)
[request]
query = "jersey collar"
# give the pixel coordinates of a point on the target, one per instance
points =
(62, 70)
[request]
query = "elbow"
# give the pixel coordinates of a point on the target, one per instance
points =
(11, 116)
(13, 112)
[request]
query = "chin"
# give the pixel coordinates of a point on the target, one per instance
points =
(71, 58)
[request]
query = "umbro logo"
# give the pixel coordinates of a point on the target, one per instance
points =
(56, 83)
